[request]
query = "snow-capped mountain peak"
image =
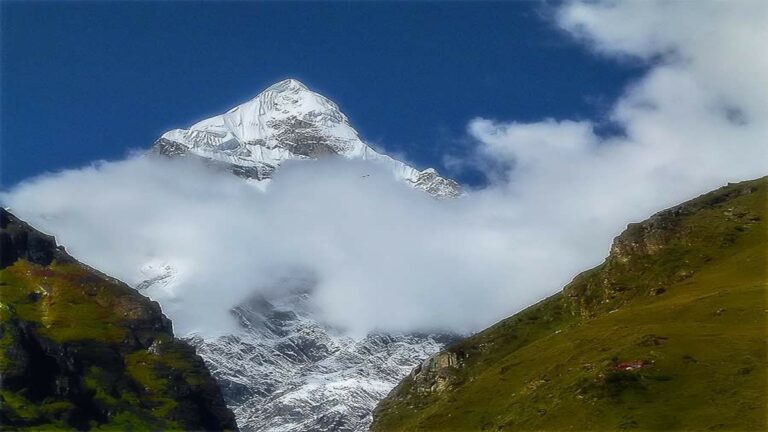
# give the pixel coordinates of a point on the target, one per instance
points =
(260, 117)
(284, 369)
(289, 84)
(286, 121)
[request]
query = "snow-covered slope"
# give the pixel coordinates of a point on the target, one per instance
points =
(284, 370)
(286, 121)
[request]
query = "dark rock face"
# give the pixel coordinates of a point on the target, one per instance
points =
(164, 147)
(303, 138)
(19, 241)
(81, 350)
(171, 149)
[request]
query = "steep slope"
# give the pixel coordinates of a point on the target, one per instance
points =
(80, 350)
(286, 121)
(668, 333)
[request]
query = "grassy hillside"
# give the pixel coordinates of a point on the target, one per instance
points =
(668, 333)
(80, 350)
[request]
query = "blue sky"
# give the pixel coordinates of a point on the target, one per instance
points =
(83, 81)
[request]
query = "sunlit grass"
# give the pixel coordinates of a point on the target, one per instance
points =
(701, 340)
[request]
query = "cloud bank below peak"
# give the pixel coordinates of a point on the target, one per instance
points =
(386, 257)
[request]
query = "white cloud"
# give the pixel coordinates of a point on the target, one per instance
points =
(386, 257)
(697, 119)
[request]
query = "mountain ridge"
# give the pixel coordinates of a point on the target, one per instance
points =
(286, 121)
(667, 333)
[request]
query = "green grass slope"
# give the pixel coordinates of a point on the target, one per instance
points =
(669, 333)
(80, 350)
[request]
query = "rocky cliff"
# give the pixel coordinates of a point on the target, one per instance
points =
(668, 333)
(81, 350)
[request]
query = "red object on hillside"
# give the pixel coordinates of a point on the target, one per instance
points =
(630, 365)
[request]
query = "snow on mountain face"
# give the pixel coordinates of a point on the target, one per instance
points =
(284, 370)
(286, 121)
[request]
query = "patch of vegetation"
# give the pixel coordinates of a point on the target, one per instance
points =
(668, 333)
(80, 350)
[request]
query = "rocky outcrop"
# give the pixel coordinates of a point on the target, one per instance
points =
(666, 228)
(81, 350)
(438, 372)
(646, 256)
